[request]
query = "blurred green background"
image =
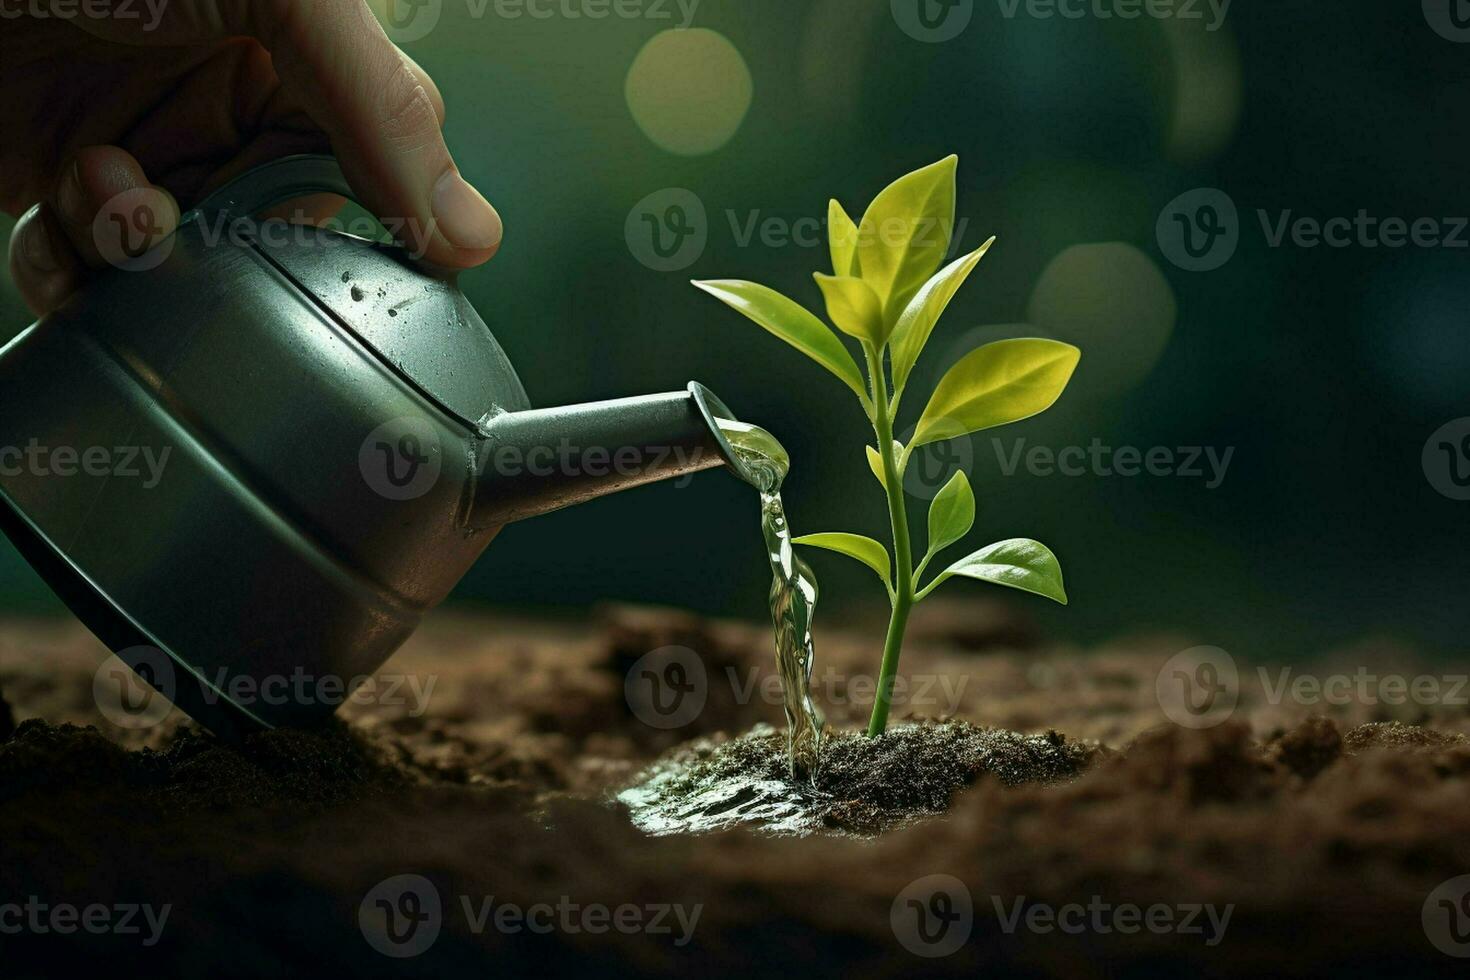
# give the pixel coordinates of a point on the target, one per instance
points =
(1325, 369)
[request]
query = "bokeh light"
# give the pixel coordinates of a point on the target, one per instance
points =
(689, 91)
(1112, 301)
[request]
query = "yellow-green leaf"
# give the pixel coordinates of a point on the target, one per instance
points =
(875, 461)
(1019, 563)
(905, 234)
(1002, 382)
(853, 307)
(951, 514)
(918, 319)
(842, 237)
(865, 550)
(793, 323)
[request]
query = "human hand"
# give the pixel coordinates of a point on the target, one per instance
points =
(183, 96)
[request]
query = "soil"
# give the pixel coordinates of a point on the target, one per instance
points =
(865, 785)
(1323, 835)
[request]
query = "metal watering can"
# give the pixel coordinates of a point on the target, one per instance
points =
(341, 437)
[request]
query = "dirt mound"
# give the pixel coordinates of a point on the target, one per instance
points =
(865, 785)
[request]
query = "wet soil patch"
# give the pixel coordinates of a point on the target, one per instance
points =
(865, 785)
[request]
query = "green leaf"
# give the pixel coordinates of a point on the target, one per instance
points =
(918, 319)
(905, 234)
(842, 236)
(853, 307)
(875, 461)
(952, 513)
(865, 550)
(1019, 563)
(794, 324)
(1002, 382)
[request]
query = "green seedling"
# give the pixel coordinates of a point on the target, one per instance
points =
(887, 291)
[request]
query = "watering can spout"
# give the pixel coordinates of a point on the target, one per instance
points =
(540, 460)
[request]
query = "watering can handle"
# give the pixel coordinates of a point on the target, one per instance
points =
(275, 182)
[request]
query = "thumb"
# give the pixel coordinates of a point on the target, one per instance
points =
(334, 59)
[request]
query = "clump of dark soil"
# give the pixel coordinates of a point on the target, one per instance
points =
(865, 786)
(1307, 749)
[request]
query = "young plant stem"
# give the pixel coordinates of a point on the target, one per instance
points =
(903, 590)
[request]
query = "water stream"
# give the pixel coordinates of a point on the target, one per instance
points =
(793, 593)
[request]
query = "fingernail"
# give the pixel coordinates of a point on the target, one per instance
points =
(465, 218)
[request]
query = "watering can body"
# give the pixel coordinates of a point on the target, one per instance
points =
(253, 467)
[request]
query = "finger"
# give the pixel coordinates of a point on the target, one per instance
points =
(282, 126)
(108, 210)
(384, 123)
(43, 265)
(380, 109)
(430, 87)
